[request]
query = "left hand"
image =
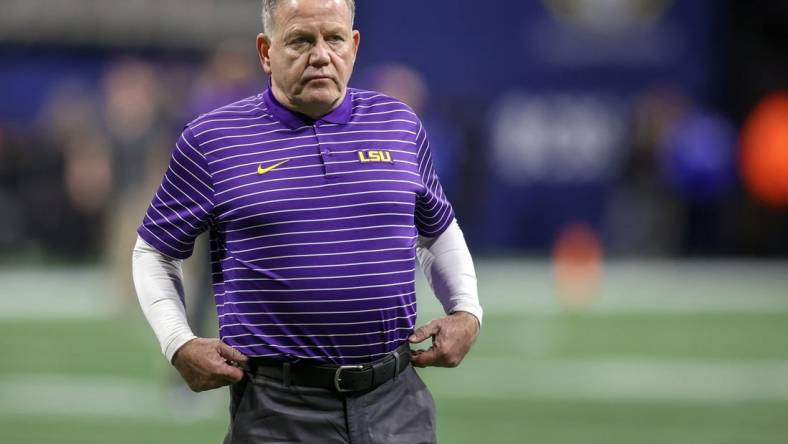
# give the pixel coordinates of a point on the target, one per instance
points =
(452, 337)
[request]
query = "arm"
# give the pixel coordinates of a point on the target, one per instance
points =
(202, 362)
(448, 266)
(158, 279)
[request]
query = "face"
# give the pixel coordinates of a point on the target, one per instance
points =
(309, 54)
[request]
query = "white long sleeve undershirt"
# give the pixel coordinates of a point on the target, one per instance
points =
(448, 267)
(158, 278)
(159, 283)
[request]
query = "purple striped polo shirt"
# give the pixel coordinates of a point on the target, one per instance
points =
(312, 224)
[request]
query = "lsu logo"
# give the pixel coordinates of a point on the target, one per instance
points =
(374, 156)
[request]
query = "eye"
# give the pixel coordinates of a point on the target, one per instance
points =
(298, 41)
(335, 38)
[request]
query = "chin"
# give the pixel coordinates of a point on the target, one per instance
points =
(321, 97)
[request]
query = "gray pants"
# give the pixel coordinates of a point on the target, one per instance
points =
(263, 410)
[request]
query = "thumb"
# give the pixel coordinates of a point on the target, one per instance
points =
(425, 331)
(231, 354)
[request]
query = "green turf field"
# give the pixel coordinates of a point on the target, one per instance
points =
(669, 352)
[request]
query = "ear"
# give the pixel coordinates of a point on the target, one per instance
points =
(263, 47)
(356, 41)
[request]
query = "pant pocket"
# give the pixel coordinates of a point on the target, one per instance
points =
(239, 392)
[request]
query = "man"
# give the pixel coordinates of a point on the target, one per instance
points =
(318, 198)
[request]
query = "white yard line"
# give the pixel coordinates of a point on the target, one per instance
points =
(29, 294)
(625, 380)
(616, 380)
(83, 396)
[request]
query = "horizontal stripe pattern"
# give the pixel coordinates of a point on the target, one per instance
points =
(314, 258)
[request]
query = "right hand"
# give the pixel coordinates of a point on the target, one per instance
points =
(207, 364)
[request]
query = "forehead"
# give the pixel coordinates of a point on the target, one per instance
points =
(294, 14)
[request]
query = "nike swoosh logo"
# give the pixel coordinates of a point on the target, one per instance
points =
(261, 170)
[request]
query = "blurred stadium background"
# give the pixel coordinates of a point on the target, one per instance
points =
(620, 169)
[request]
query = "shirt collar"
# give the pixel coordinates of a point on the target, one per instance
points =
(293, 119)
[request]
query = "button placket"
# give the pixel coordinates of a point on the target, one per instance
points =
(325, 153)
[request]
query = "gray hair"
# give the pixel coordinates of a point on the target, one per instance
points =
(269, 7)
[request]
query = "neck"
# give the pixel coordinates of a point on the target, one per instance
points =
(312, 110)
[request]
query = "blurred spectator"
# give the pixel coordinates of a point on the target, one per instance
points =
(45, 188)
(139, 134)
(642, 217)
(87, 172)
(229, 74)
(135, 124)
(12, 225)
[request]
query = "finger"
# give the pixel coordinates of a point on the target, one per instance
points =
(232, 374)
(425, 358)
(231, 354)
(425, 331)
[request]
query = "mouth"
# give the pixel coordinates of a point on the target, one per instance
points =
(317, 78)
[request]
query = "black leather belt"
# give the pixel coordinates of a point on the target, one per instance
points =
(340, 378)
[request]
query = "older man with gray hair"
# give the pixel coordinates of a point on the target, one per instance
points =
(319, 199)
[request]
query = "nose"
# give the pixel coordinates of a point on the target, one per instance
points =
(319, 56)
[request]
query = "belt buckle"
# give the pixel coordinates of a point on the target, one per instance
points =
(337, 378)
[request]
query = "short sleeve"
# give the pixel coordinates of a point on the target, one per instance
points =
(434, 213)
(182, 206)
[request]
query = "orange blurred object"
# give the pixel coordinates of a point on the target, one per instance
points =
(764, 150)
(577, 266)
